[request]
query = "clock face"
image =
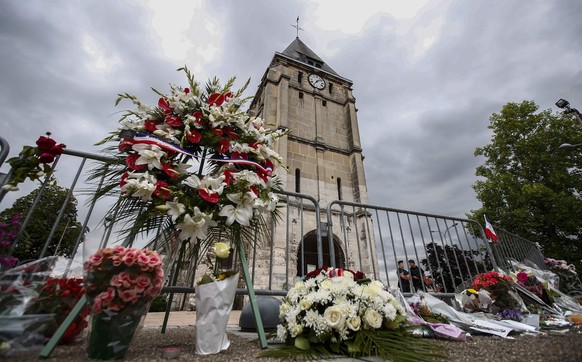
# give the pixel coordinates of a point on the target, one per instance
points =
(316, 81)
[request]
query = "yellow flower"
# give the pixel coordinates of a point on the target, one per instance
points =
(221, 250)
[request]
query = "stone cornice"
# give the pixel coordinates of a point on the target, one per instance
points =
(323, 146)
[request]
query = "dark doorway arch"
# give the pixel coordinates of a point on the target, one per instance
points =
(307, 255)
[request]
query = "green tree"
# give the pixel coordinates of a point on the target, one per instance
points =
(530, 186)
(31, 243)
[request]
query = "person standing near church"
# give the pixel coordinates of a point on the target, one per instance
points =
(403, 277)
(416, 274)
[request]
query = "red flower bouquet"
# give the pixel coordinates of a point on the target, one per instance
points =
(33, 162)
(501, 289)
(58, 296)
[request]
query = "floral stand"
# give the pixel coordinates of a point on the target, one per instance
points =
(213, 305)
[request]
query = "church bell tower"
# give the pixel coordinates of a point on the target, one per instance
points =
(323, 153)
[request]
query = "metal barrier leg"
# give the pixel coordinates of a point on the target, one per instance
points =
(252, 297)
(60, 332)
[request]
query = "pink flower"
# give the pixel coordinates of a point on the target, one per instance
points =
(96, 259)
(142, 282)
(129, 258)
(129, 296)
(143, 259)
(97, 306)
(522, 277)
(154, 261)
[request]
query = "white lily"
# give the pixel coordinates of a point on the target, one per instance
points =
(149, 155)
(241, 214)
(195, 226)
(175, 209)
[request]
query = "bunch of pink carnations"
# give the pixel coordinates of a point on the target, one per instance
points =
(117, 278)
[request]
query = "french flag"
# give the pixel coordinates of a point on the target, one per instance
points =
(489, 232)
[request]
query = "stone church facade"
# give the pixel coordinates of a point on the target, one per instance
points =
(323, 153)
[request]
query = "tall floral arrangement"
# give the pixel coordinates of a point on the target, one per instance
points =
(33, 162)
(335, 311)
(196, 158)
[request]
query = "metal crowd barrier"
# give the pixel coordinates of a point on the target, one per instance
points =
(449, 250)
(511, 247)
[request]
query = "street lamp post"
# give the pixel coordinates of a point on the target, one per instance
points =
(63, 235)
(448, 230)
(565, 105)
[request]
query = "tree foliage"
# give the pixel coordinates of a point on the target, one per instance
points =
(31, 242)
(530, 186)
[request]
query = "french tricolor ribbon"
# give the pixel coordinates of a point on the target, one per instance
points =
(142, 138)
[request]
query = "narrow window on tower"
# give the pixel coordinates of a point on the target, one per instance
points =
(299, 77)
(339, 188)
(324, 103)
(297, 180)
(300, 95)
(330, 88)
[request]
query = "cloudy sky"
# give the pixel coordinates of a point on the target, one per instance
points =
(427, 75)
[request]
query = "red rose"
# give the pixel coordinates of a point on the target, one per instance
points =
(46, 157)
(45, 143)
(57, 149)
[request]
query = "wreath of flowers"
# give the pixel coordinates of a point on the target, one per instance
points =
(201, 129)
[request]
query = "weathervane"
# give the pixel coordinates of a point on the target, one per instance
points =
(297, 27)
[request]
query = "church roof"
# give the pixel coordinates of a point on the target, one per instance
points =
(299, 51)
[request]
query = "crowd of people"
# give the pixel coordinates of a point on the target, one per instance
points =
(412, 278)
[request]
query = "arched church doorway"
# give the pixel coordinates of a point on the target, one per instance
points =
(307, 255)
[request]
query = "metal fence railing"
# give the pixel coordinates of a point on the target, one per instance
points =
(511, 247)
(449, 250)
(356, 236)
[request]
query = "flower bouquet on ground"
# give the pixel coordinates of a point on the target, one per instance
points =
(214, 299)
(491, 292)
(335, 311)
(569, 282)
(24, 323)
(120, 284)
(58, 296)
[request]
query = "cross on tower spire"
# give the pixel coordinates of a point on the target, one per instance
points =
(297, 27)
